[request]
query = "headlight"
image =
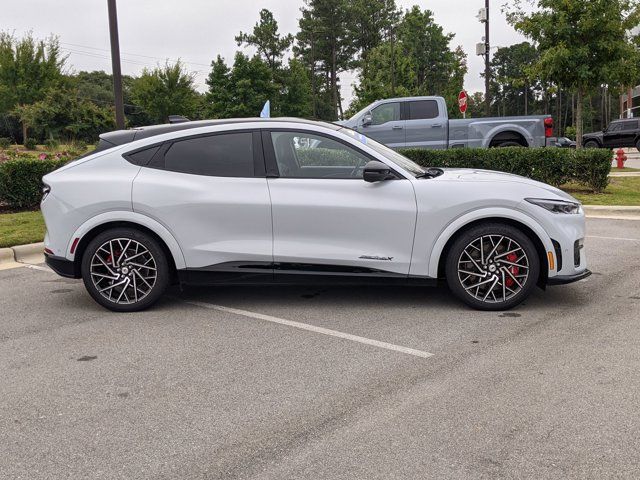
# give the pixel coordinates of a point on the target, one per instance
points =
(556, 206)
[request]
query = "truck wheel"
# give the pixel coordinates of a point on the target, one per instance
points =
(591, 144)
(492, 266)
(638, 145)
(508, 143)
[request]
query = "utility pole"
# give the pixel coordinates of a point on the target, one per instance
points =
(115, 64)
(487, 70)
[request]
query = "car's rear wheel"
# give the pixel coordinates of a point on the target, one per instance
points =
(591, 144)
(492, 267)
(125, 270)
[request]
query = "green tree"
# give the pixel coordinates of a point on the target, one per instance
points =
(583, 44)
(416, 61)
(267, 40)
(372, 22)
(514, 87)
(28, 69)
(63, 115)
(164, 91)
(295, 99)
(325, 44)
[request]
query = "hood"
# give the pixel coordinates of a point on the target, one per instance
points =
(490, 176)
(593, 135)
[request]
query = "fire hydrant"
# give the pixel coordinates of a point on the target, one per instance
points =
(620, 158)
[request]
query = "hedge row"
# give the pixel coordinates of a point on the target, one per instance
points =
(555, 166)
(21, 180)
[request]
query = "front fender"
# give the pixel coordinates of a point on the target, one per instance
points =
(131, 217)
(486, 213)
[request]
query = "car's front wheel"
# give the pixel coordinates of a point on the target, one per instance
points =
(591, 144)
(492, 267)
(125, 270)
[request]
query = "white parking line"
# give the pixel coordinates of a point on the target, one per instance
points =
(615, 238)
(313, 328)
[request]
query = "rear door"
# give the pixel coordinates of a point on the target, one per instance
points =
(387, 126)
(211, 192)
(629, 133)
(425, 125)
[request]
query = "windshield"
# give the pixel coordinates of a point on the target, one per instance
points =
(395, 157)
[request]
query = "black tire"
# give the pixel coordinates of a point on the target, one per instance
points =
(638, 145)
(457, 280)
(591, 144)
(508, 143)
(155, 256)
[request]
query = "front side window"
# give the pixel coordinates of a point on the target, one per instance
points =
(226, 155)
(387, 112)
(614, 127)
(305, 155)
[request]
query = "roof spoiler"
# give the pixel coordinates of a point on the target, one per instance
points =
(177, 119)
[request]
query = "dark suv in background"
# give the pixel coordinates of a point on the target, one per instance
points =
(620, 133)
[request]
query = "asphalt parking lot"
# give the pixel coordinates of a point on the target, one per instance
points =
(369, 383)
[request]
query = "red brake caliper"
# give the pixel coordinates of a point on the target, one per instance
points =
(512, 257)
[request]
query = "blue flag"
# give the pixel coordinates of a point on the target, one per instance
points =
(266, 110)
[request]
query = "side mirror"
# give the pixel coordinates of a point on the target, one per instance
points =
(375, 171)
(367, 119)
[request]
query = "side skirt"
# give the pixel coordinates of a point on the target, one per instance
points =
(258, 273)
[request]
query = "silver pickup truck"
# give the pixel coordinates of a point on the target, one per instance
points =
(423, 122)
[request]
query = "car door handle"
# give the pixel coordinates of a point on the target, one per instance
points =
(436, 125)
(396, 127)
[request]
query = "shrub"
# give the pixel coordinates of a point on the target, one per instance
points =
(555, 166)
(5, 142)
(30, 143)
(52, 144)
(21, 180)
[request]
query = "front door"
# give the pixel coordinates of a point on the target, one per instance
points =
(327, 219)
(386, 126)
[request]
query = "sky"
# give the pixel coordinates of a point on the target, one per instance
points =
(196, 31)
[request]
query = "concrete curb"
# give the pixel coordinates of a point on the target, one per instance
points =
(612, 212)
(21, 254)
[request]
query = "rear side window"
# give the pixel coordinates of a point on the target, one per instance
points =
(630, 125)
(423, 109)
(142, 157)
(227, 155)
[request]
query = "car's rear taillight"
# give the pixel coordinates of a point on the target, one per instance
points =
(45, 191)
(548, 127)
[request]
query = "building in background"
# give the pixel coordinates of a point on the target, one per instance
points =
(630, 101)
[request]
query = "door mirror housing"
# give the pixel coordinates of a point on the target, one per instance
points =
(367, 119)
(375, 171)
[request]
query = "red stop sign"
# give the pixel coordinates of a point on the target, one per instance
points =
(463, 101)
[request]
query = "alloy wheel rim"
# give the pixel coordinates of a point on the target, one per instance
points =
(493, 268)
(123, 271)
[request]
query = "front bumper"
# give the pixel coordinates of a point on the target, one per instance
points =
(564, 279)
(62, 266)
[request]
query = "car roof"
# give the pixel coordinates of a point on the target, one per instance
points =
(121, 137)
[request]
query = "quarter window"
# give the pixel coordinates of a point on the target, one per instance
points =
(226, 155)
(423, 109)
(305, 155)
(387, 112)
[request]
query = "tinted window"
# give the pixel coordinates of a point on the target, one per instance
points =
(228, 155)
(142, 157)
(630, 125)
(615, 127)
(423, 109)
(305, 155)
(387, 112)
